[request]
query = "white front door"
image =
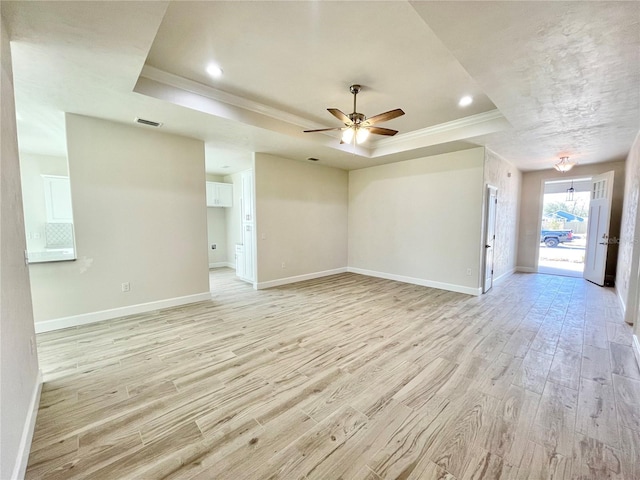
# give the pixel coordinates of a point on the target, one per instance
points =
(595, 260)
(490, 237)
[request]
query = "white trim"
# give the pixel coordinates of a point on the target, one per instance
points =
(636, 349)
(463, 122)
(298, 278)
(504, 276)
(22, 459)
(99, 316)
(208, 91)
(526, 269)
(222, 264)
(418, 281)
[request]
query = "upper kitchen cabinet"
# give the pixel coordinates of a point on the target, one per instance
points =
(219, 194)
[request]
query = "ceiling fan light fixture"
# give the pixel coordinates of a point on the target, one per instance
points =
(564, 165)
(347, 135)
(361, 135)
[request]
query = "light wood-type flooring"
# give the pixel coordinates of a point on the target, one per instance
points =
(347, 377)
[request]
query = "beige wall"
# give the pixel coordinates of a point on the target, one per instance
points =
(508, 179)
(18, 362)
(217, 234)
(419, 220)
(301, 213)
(531, 209)
(140, 217)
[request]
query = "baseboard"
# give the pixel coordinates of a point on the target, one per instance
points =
(418, 281)
(526, 270)
(99, 316)
(20, 467)
(222, 264)
(636, 349)
(298, 278)
(504, 276)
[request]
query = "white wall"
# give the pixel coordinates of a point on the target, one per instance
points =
(140, 217)
(499, 173)
(19, 379)
(301, 214)
(531, 210)
(419, 220)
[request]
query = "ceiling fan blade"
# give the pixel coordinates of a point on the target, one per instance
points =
(322, 130)
(383, 117)
(382, 131)
(340, 116)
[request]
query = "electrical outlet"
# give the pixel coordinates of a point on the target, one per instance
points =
(284, 265)
(468, 271)
(32, 346)
(214, 246)
(126, 287)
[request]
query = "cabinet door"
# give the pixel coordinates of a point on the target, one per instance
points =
(57, 198)
(247, 240)
(247, 197)
(224, 194)
(211, 194)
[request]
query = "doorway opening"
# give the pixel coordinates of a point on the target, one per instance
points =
(564, 227)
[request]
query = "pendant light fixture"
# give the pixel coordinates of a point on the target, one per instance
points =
(564, 165)
(570, 192)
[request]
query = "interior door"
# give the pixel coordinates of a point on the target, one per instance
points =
(595, 260)
(490, 237)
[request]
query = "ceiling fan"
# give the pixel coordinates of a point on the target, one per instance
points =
(358, 127)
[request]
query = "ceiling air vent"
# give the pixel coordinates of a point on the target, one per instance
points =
(151, 123)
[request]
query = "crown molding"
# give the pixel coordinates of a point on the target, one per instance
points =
(183, 91)
(212, 93)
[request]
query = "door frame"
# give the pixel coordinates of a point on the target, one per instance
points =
(487, 195)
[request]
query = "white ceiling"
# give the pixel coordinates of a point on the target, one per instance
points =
(548, 78)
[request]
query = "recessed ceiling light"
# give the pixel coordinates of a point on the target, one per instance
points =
(214, 70)
(466, 101)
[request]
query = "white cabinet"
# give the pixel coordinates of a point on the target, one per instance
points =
(57, 199)
(219, 194)
(247, 196)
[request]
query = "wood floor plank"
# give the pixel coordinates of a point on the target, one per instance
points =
(533, 371)
(346, 377)
(565, 368)
(555, 421)
(593, 459)
(541, 463)
(596, 415)
(596, 365)
(627, 393)
(623, 361)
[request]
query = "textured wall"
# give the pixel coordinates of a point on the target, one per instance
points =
(627, 277)
(508, 179)
(18, 362)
